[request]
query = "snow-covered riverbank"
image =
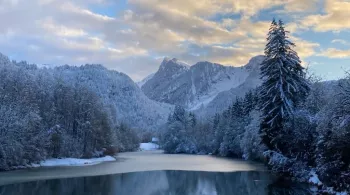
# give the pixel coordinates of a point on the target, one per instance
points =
(73, 161)
(54, 162)
(148, 146)
(91, 161)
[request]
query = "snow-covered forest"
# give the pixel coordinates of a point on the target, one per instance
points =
(296, 124)
(56, 113)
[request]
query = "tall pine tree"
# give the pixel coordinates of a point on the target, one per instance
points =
(284, 85)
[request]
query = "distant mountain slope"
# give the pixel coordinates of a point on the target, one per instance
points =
(205, 86)
(225, 98)
(143, 81)
(117, 91)
(161, 87)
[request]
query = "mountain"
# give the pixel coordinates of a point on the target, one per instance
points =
(225, 98)
(204, 86)
(123, 99)
(143, 81)
(118, 90)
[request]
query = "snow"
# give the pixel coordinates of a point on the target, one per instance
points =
(223, 83)
(74, 161)
(182, 63)
(341, 193)
(35, 165)
(166, 59)
(143, 81)
(193, 87)
(201, 101)
(197, 86)
(330, 190)
(149, 146)
(174, 62)
(154, 139)
(314, 179)
(177, 61)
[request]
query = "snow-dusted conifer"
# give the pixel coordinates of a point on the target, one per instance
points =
(284, 84)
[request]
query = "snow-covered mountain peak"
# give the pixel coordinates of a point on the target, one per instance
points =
(203, 63)
(199, 85)
(166, 59)
(208, 66)
(254, 63)
(171, 68)
(173, 63)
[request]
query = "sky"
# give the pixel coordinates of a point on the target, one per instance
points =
(133, 36)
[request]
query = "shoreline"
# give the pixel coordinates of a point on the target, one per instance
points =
(133, 162)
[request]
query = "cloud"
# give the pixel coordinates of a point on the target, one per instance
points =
(225, 55)
(341, 41)
(336, 17)
(126, 52)
(305, 48)
(71, 8)
(191, 27)
(299, 6)
(49, 25)
(70, 32)
(248, 8)
(65, 31)
(229, 55)
(335, 53)
(207, 8)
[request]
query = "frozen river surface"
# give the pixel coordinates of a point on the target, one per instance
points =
(149, 173)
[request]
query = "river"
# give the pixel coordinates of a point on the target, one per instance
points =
(149, 173)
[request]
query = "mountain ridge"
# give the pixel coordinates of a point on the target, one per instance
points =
(202, 84)
(118, 92)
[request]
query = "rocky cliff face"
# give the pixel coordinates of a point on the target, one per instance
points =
(206, 87)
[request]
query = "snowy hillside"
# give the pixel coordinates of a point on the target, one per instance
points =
(202, 85)
(225, 98)
(119, 94)
(118, 90)
(143, 81)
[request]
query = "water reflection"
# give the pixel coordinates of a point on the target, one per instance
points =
(157, 183)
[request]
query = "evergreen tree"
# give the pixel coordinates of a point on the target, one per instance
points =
(192, 120)
(178, 135)
(218, 134)
(248, 102)
(179, 114)
(284, 84)
(216, 122)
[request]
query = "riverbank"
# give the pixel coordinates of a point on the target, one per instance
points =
(58, 162)
(134, 162)
(54, 162)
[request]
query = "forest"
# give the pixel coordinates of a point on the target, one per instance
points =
(48, 113)
(295, 123)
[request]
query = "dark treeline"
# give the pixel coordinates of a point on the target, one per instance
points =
(44, 114)
(233, 133)
(299, 127)
(225, 135)
(318, 136)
